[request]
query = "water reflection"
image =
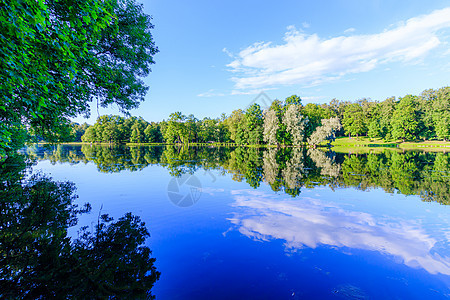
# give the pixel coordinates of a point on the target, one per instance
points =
(311, 222)
(286, 169)
(293, 196)
(38, 259)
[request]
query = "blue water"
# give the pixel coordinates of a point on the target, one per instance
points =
(230, 240)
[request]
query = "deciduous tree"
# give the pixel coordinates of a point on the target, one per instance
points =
(58, 56)
(354, 120)
(295, 124)
(404, 121)
(325, 132)
(271, 127)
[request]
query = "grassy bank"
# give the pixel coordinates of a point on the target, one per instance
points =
(345, 144)
(342, 144)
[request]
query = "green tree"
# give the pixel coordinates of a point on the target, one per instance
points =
(279, 108)
(254, 124)
(294, 99)
(137, 131)
(386, 110)
(109, 129)
(315, 114)
(338, 107)
(374, 128)
(90, 135)
(404, 121)
(192, 128)
(354, 120)
(153, 133)
(59, 56)
(125, 128)
(78, 131)
(136, 136)
(223, 132)
(426, 101)
(176, 131)
(440, 113)
(207, 130)
(233, 123)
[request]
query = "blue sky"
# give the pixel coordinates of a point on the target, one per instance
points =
(217, 56)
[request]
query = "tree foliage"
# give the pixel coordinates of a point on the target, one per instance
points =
(354, 120)
(295, 124)
(294, 99)
(426, 116)
(405, 121)
(254, 124)
(315, 114)
(326, 132)
(440, 113)
(38, 260)
(58, 56)
(420, 173)
(271, 126)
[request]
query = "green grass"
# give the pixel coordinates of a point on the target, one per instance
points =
(345, 144)
(364, 142)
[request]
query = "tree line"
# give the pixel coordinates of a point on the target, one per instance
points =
(287, 122)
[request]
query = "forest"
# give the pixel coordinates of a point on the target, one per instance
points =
(288, 122)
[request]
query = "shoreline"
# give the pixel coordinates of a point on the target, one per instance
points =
(342, 144)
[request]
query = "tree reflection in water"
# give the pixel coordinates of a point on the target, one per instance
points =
(317, 220)
(286, 169)
(38, 260)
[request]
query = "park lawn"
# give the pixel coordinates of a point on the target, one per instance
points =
(363, 141)
(345, 144)
(426, 144)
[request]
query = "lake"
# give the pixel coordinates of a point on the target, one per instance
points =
(288, 223)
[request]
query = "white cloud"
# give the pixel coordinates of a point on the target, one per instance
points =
(310, 222)
(212, 191)
(349, 30)
(307, 59)
(211, 93)
(312, 98)
(225, 50)
(250, 92)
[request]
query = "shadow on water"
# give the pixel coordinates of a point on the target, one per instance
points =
(285, 170)
(39, 261)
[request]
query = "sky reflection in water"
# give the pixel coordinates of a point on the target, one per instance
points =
(267, 226)
(312, 222)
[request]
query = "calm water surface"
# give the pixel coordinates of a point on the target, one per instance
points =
(274, 224)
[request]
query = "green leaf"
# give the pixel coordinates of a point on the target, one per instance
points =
(42, 102)
(87, 19)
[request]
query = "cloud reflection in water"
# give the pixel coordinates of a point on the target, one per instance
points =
(308, 222)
